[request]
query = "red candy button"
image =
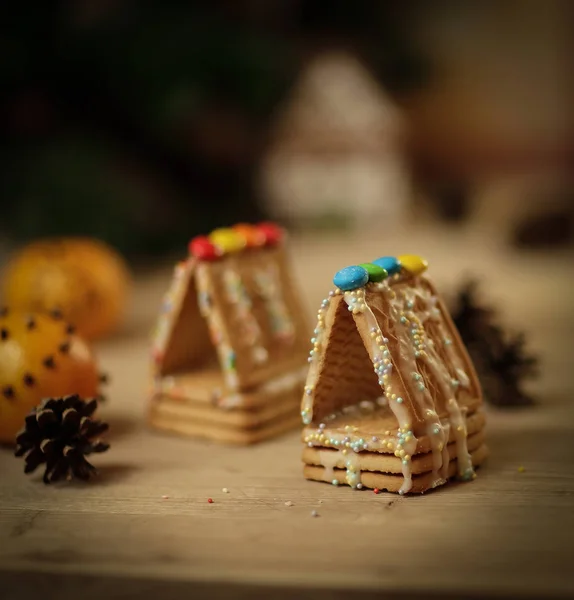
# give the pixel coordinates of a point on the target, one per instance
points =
(202, 248)
(273, 233)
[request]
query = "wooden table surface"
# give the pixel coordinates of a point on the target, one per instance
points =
(144, 528)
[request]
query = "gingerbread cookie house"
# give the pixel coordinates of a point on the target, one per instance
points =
(391, 401)
(229, 351)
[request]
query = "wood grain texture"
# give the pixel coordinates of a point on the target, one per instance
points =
(508, 533)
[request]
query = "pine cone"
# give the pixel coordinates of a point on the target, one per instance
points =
(59, 433)
(501, 360)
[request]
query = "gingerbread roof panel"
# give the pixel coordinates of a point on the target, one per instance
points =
(254, 314)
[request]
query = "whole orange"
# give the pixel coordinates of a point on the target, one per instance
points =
(40, 357)
(84, 278)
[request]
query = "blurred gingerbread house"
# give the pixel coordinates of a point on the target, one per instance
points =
(336, 150)
(229, 351)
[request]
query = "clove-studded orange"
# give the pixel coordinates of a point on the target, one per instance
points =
(84, 278)
(41, 356)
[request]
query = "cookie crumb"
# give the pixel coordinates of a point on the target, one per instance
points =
(210, 500)
(288, 503)
(320, 501)
(164, 497)
(314, 513)
(521, 469)
(225, 491)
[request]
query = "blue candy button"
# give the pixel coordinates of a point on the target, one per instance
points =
(351, 278)
(391, 264)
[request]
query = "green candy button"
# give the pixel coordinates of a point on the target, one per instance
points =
(375, 272)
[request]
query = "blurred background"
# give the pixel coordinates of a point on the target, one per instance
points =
(145, 123)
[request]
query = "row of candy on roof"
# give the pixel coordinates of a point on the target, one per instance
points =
(224, 241)
(357, 276)
(230, 240)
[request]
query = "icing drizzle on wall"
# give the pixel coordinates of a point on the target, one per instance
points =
(170, 300)
(237, 294)
(424, 349)
(318, 341)
(406, 441)
(226, 354)
(270, 289)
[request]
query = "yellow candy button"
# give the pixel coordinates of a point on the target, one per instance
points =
(227, 240)
(414, 264)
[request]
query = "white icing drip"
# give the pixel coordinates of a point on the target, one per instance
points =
(463, 378)
(445, 458)
(353, 475)
(270, 289)
(329, 459)
(465, 468)
(251, 331)
(407, 478)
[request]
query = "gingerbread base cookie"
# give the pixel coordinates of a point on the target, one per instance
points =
(391, 400)
(229, 350)
(196, 406)
(387, 482)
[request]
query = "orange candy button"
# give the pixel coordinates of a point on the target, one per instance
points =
(252, 236)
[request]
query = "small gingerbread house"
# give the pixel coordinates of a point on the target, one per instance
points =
(392, 401)
(229, 351)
